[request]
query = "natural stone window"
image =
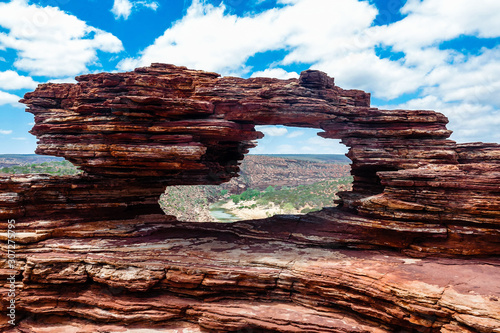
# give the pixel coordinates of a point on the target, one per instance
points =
(274, 178)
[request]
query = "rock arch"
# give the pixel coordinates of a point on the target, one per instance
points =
(192, 127)
(167, 125)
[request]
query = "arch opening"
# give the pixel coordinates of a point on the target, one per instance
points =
(291, 170)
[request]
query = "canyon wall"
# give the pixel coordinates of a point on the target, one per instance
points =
(259, 172)
(414, 247)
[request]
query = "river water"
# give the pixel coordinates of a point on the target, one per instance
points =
(221, 214)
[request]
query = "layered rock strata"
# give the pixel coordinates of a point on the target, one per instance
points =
(260, 172)
(219, 282)
(412, 248)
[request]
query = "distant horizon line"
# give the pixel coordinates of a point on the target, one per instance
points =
(20, 154)
(294, 154)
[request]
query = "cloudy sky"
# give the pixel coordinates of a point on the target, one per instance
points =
(442, 55)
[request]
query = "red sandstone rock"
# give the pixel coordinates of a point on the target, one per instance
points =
(413, 248)
(226, 283)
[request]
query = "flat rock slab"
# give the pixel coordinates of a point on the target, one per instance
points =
(227, 283)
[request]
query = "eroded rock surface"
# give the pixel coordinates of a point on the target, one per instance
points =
(414, 247)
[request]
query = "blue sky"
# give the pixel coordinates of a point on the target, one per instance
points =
(442, 55)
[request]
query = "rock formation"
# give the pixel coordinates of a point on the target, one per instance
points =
(412, 248)
(260, 172)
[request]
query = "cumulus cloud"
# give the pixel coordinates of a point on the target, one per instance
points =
(278, 73)
(5, 132)
(469, 121)
(317, 145)
(431, 21)
(10, 80)
(295, 134)
(474, 80)
(364, 70)
(465, 87)
(286, 149)
(6, 98)
(63, 80)
(207, 38)
(427, 24)
(334, 36)
(50, 42)
(224, 42)
(272, 130)
(123, 8)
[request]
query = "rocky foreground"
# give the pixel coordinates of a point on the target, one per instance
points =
(414, 247)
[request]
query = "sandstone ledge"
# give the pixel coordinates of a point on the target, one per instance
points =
(224, 283)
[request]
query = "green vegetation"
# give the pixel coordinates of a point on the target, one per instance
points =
(325, 158)
(53, 168)
(190, 203)
(303, 198)
(247, 195)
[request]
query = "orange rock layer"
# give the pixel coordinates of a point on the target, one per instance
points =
(414, 247)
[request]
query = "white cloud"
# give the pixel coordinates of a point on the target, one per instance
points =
(20, 138)
(208, 39)
(6, 98)
(278, 73)
(466, 88)
(335, 36)
(295, 134)
(364, 70)
(321, 142)
(149, 4)
(469, 121)
(223, 43)
(63, 80)
(123, 8)
(286, 149)
(476, 80)
(439, 20)
(129, 64)
(50, 42)
(5, 132)
(11, 80)
(318, 145)
(272, 130)
(429, 23)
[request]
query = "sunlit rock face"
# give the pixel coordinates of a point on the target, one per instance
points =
(412, 248)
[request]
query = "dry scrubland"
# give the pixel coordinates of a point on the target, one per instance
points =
(268, 185)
